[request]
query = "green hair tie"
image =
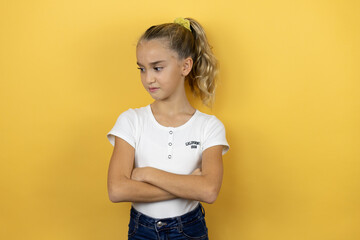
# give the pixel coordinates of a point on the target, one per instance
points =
(183, 22)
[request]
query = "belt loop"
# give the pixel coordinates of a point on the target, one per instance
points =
(137, 220)
(202, 209)
(180, 226)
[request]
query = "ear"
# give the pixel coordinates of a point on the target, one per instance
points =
(187, 65)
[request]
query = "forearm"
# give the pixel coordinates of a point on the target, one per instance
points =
(197, 187)
(128, 190)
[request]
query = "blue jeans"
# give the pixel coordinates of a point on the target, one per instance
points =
(188, 226)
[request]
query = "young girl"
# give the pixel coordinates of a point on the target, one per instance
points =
(167, 155)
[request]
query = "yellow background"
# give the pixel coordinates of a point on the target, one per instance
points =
(289, 97)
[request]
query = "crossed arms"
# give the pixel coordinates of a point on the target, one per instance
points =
(129, 184)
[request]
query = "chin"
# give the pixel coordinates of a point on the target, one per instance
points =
(158, 97)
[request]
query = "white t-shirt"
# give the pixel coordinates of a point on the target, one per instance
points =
(173, 149)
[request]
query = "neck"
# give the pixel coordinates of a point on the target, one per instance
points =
(173, 106)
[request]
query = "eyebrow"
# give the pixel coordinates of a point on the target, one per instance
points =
(152, 63)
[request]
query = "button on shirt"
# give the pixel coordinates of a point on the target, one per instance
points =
(172, 149)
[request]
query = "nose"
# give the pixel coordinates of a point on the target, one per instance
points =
(149, 78)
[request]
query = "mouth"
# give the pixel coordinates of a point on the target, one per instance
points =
(153, 89)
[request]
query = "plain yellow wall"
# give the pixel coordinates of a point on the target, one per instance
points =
(289, 97)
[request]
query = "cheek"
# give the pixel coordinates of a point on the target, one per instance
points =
(142, 79)
(172, 77)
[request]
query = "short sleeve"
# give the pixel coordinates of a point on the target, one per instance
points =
(124, 128)
(215, 135)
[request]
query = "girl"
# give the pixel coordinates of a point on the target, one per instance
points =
(167, 156)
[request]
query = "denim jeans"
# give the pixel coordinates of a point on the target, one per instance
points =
(188, 226)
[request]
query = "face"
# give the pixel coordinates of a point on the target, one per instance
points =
(162, 73)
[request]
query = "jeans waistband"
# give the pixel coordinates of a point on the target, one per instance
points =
(173, 222)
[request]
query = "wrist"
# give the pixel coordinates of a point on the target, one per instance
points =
(146, 177)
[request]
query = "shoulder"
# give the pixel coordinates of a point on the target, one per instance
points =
(133, 114)
(127, 125)
(208, 120)
(213, 131)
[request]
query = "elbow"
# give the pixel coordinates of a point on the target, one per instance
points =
(113, 197)
(210, 196)
(116, 194)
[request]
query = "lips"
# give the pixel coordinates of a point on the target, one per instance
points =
(153, 89)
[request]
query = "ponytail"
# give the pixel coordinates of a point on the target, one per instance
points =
(203, 74)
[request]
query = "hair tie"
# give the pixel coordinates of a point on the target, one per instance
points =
(183, 22)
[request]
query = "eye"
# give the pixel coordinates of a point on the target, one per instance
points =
(157, 69)
(141, 69)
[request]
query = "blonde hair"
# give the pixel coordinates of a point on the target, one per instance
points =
(194, 44)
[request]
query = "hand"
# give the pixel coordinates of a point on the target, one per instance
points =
(196, 172)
